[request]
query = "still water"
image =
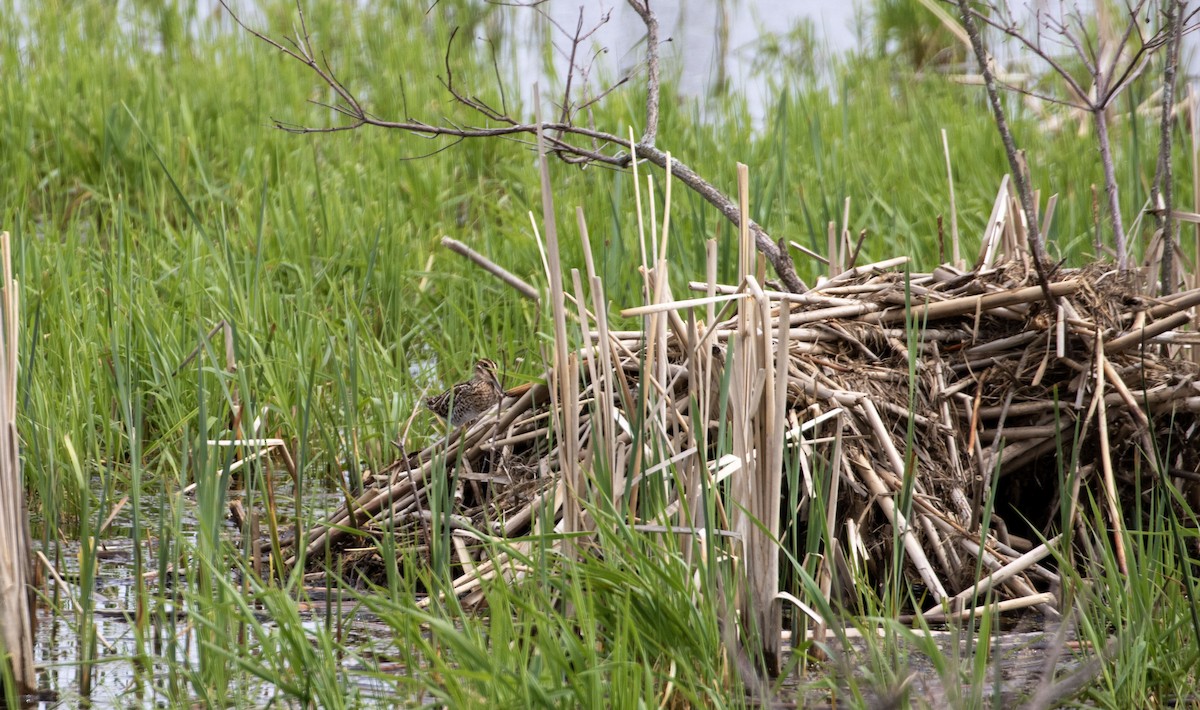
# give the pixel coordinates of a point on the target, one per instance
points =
(706, 42)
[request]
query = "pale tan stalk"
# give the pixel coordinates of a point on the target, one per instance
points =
(1110, 484)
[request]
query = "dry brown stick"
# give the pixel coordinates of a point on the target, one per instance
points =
(883, 498)
(1110, 484)
(993, 560)
(1140, 335)
(493, 268)
(1177, 302)
(970, 304)
(1009, 570)
(1042, 599)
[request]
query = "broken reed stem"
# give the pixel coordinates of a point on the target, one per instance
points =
(567, 387)
(1036, 599)
(17, 574)
(600, 306)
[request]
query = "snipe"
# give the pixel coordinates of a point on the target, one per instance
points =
(467, 401)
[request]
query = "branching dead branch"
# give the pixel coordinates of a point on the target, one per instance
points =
(570, 142)
(1161, 197)
(1112, 64)
(1036, 245)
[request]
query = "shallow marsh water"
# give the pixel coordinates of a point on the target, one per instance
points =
(117, 679)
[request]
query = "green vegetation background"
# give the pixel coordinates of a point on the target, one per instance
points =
(149, 198)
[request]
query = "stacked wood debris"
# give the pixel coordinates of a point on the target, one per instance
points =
(946, 383)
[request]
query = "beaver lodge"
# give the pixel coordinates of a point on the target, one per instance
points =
(962, 422)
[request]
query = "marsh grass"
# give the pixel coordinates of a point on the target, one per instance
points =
(149, 201)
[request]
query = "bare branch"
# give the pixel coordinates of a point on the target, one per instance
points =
(1112, 68)
(565, 116)
(468, 101)
(595, 146)
(1036, 247)
(1014, 32)
(1161, 193)
(1008, 86)
(642, 8)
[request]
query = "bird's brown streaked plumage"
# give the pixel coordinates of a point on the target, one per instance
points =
(467, 401)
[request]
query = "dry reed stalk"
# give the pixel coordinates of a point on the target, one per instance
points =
(955, 252)
(17, 573)
(883, 498)
(1110, 484)
(811, 298)
(566, 387)
(832, 250)
(757, 427)
(858, 272)
(993, 232)
(740, 393)
(826, 570)
(1048, 218)
(1193, 275)
(1017, 585)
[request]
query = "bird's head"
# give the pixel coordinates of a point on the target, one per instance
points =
(486, 369)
